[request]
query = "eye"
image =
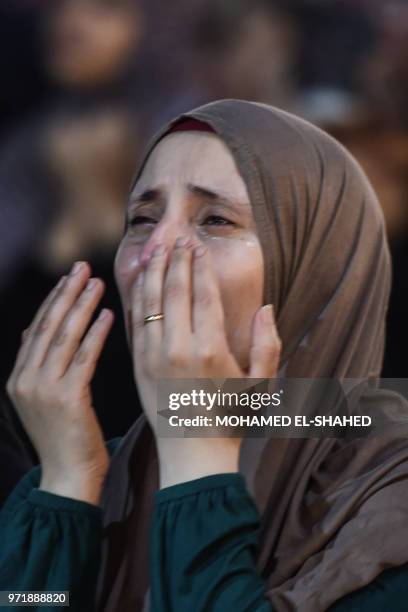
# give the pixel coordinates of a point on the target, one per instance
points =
(141, 220)
(217, 220)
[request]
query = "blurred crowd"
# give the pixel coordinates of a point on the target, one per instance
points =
(85, 83)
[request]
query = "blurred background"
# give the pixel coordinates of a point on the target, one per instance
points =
(84, 84)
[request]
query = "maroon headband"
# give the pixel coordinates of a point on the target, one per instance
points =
(185, 125)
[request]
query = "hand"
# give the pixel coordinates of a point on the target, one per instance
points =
(190, 342)
(50, 387)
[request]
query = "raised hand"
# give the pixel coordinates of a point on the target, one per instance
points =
(50, 386)
(190, 342)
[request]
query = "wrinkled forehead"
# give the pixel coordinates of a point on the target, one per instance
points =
(192, 157)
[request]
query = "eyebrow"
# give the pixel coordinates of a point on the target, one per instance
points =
(150, 195)
(147, 196)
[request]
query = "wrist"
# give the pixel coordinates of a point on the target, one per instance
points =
(86, 487)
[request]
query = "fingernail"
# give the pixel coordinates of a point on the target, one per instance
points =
(267, 314)
(61, 282)
(140, 278)
(91, 284)
(77, 267)
(103, 314)
(182, 241)
(159, 250)
(200, 251)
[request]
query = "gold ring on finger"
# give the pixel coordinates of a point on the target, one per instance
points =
(154, 317)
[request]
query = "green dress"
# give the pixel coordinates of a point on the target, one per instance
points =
(203, 550)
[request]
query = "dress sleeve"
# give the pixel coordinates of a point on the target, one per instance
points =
(203, 554)
(50, 543)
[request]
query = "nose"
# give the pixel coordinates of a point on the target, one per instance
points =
(166, 233)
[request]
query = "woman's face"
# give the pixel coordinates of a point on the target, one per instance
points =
(191, 187)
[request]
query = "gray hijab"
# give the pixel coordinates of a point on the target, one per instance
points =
(325, 503)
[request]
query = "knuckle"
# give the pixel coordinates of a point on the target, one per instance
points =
(204, 299)
(66, 292)
(60, 338)
(62, 292)
(22, 386)
(43, 325)
(82, 302)
(174, 289)
(82, 356)
(175, 357)
(64, 397)
(88, 294)
(207, 355)
(24, 334)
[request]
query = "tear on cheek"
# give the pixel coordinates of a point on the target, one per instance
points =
(128, 265)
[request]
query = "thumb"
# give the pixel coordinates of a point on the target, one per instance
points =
(266, 345)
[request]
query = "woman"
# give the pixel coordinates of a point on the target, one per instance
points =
(236, 206)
